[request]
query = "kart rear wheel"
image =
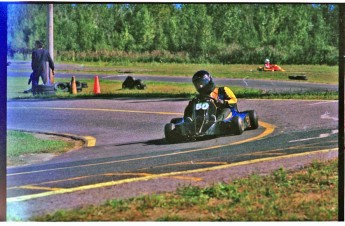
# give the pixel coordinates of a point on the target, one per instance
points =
(237, 125)
(170, 136)
(138, 84)
(254, 120)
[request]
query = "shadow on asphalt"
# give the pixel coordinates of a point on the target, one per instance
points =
(149, 142)
(162, 141)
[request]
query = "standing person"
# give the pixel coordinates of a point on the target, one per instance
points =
(38, 64)
(224, 97)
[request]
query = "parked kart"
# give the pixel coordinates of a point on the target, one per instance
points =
(203, 122)
(274, 67)
(132, 83)
(66, 86)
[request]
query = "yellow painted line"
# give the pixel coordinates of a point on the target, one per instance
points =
(90, 141)
(128, 174)
(262, 153)
(30, 187)
(79, 178)
(209, 163)
(101, 109)
(187, 178)
(172, 174)
(269, 128)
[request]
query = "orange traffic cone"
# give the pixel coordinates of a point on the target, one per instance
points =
(73, 86)
(96, 87)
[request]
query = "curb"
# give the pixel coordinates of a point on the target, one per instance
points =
(88, 141)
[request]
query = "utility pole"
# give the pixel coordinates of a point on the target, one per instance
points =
(50, 38)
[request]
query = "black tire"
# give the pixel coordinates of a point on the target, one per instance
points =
(44, 90)
(138, 84)
(79, 86)
(61, 86)
(298, 77)
(237, 125)
(84, 85)
(254, 120)
(170, 135)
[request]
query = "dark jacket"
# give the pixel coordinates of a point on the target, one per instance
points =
(38, 63)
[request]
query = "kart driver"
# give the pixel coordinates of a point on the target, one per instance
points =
(224, 97)
(267, 64)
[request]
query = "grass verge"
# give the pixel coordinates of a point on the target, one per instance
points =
(315, 73)
(309, 194)
(113, 89)
(22, 144)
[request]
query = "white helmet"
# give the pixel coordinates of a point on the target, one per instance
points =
(267, 60)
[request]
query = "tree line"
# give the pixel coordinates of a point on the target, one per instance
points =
(225, 33)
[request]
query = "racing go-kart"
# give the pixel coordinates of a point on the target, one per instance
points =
(273, 67)
(203, 122)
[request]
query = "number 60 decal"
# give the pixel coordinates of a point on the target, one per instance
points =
(202, 106)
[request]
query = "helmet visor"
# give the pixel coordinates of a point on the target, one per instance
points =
(201, 82)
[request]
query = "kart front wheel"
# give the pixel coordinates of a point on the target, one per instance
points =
(237, 125)
(170, 135)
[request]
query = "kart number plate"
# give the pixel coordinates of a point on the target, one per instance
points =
(202, 106)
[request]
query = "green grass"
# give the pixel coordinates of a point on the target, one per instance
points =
(315, 73)
(110, 89)
(113, 89)
(309, 194)
(22, 143)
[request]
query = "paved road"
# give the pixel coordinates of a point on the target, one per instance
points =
(130, 147)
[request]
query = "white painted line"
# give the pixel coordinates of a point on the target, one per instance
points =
(112, 76)
(326, 116)
(323, 135)
(324, 102)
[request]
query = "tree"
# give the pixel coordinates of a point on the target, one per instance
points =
(26, 24)
(142, 27)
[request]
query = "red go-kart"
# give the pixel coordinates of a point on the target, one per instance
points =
(273, 67)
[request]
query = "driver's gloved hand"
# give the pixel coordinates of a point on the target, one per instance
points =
(221, 103)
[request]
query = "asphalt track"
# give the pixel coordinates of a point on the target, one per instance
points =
(127, 154)
(130, 146)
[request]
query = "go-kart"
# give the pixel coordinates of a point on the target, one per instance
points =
(132, 83)
(273, 67)
(204, 123)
